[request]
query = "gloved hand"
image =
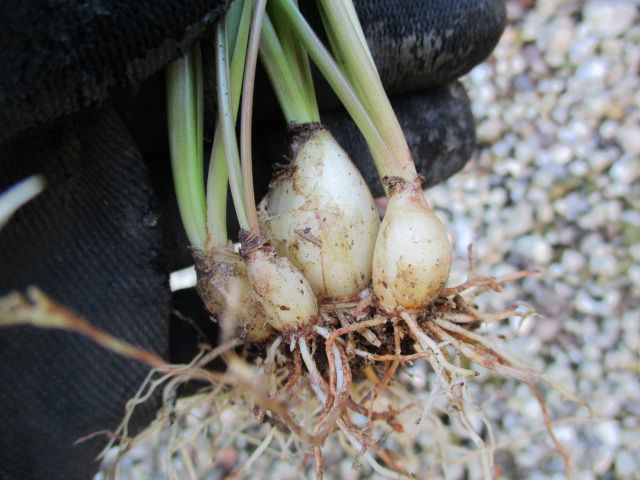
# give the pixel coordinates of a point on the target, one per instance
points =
(82, 102)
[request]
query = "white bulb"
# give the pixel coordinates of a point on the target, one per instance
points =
(224, 287)
(283, 292)
(412, 256)
(320, 214)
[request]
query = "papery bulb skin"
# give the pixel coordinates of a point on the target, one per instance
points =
(224, 287)
(320, 214)
(284, 293)
(412, 257)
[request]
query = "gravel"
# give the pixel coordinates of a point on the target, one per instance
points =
(555, 184)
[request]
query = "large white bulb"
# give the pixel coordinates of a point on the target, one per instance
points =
(320, 214)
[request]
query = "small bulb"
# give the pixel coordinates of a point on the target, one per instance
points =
(224, 287)
(412, 256)
(283, 292)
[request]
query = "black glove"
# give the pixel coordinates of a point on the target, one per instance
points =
(82, 102)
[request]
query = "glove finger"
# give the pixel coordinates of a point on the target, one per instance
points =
(55, 61)
(438, 125)
(418, 44)
(90, 241)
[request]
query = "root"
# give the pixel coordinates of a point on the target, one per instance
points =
(319, 470)
(327, 361)
(330, 342)
(368, 335)
(391, 371)
(439, 363)
(483, 352)
(294, 378)
(343, 384)
(566, 458)
(254, 456)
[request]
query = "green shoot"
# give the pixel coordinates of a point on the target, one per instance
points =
(184, 93)
(298, 59)
(225, 119)
(247, 113)
(295, 93)
(237, 24)
(380, 152)
(349, 43)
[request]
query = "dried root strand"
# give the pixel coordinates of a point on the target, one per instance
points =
(391, 371)
(294, 378)
(343, 381)
(480, 350)
(437, 359)
(319, 470)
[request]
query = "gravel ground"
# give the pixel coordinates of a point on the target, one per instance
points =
(555, 184)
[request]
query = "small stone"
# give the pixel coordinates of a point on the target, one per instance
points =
(592, 71)
(561, 154)
(625, 170)
(608, 433)
(561, 36)
(609, 18)
(523, 83)
(227, 457)
(625, 464)
(602, 460)
(629, 137)
(634, 274)
(489, 131)
(605, 265)
(591, 371)
(585, 304)
(621, 360)
(582, 50)
(634, 252)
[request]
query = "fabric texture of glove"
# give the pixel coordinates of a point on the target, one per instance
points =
(91, 241)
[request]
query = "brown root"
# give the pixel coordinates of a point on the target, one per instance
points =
(339, 375)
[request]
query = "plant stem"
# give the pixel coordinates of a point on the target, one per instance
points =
(340, 85)
(225, 119)
(246, 113)
(184, 115)
(290, 91)
(348, 39)
(299, 62)
(199, 99)
(237, 22)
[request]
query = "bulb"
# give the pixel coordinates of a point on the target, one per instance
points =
(283, 292)
(412, 256)
(224, 286)
(320, 214)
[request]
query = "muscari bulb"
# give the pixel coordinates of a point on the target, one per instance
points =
(224, 287)
(320, 214)
(412, 256)
(282, 290)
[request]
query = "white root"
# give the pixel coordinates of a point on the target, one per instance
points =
(319, 387)
(437, 359)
